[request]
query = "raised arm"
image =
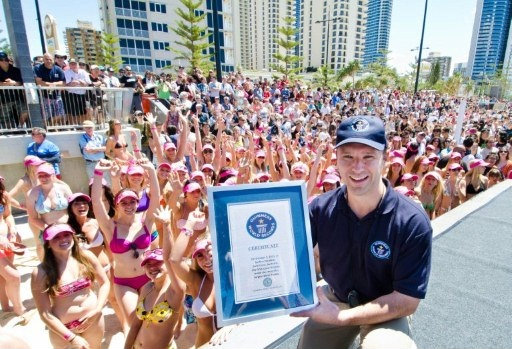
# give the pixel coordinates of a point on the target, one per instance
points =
(184, 129)
(314, 170)
(154, 191)
(158, 151)
(100, 212)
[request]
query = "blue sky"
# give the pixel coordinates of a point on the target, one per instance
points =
(448, 30)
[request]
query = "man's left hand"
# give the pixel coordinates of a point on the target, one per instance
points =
(325, 311)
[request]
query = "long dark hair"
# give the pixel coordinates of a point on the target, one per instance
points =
(3, 200)
(51, 268)
(73, 222)
(110, 198)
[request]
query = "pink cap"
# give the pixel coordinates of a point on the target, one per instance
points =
(200, 246)
(192, 186)
(397, 138)
(46, 168)
(263, 175)
(299, 167)
(426, 161)
(478, 162)
(331, 178)
(409, 176)
(207, 166)
(228, 155)
(208, 146)
(240, 149)
(126, 194)
(260, 154)
(455, 155)
(124, 169)
(433, 157)
(455, 166)
(54, 230)
(152, 255)
(472, 131)
(404, 191)
(431, 147)
(166, 165)
(169, 145)
(180, 167)
(434, 174)
(31, 160)
(75, 196)
(228, 172)
(135, 169)
(330, 169)
(196, 174)
(228, 182)
(398, 161)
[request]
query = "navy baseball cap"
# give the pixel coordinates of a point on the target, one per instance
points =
(3, 55)
(363, 129)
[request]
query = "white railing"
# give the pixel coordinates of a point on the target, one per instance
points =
(61, 107)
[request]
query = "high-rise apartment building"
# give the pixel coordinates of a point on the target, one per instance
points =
(145, 35)
(378, 24)
(445, 63)
(490, 35)
(345, 30)
(507, 62)
(83, 42)
(460, 68)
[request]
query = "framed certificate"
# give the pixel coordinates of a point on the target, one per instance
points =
(263, 255)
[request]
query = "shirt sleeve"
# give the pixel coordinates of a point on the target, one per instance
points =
(412, 269)
(312, 220)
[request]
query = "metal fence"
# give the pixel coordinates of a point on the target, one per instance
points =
(61, 107)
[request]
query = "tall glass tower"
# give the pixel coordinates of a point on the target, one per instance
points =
(378, 23)
(490, 35)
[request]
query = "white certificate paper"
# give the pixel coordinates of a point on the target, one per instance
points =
(263, 250)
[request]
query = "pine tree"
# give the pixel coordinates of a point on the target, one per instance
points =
(323, 76)
(4, 45)
(109, 56)
(435, 74)
(289, 63)
(194, 37)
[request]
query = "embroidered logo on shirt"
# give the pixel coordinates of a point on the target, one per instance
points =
(360, 125)
(261, 225)
(380, 250)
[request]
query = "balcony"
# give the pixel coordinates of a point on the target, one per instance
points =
(133, 32)
(131, 13)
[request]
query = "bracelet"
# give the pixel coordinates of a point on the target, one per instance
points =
(98, 173)
(69, 336)
(281, 148)
(186, 231)
(152, 128)
(136, 150)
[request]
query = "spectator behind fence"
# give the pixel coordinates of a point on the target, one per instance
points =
(13, 109)
(45, 149)
(51, 75)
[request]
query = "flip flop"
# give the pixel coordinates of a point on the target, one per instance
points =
(25, 318)
(18, 248)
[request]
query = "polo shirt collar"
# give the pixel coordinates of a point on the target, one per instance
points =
(385, 206)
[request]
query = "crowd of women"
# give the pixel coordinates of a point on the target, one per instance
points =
(138, 236)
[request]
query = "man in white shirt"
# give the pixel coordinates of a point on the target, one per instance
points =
(74, 101)
(214, 87)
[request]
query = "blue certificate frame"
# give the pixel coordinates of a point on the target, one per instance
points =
(262, 251)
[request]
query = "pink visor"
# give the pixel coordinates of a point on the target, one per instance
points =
(126, 194)
(262, 175)
(75, 196)
(152, 255)
(46, 168)
(196, 174)
(426, 161)
(431, 147)
(299, 167)
(227, 173)
(477, 163)
(434, 174)
(54, 230)
(135, 169)
(178, 166)
(397, 161)
(455, 155)
(200, 246)
(193, 186)
(331, 178)
(207, 146)
(165, 164)
(396, 154)
(31, 160)
(455, 167)
(404, 191)
(260, 154)
(169, 145)
(207, 166)
(409, 176)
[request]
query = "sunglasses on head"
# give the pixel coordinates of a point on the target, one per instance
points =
(58, 57)
(157, 251)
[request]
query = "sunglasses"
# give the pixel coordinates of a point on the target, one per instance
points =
(455, 170)
(59, 57)
(208, 151)
(207, 171)
(136, 253)
(157, 251)
(503, 152)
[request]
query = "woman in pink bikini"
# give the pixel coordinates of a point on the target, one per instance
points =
(127, 235)
(61, 287)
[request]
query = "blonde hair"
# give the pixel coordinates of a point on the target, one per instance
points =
(437, 190)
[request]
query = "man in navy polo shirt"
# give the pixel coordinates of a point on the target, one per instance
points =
(375, 249)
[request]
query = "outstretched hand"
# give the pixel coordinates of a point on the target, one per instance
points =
(163, 214)
(103, 165)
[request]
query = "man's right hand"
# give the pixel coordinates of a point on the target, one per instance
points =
(325, 311)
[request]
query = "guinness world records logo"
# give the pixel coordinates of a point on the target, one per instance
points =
(261, 225)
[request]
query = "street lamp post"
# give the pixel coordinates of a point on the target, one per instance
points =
(328, 20)
(421, 48)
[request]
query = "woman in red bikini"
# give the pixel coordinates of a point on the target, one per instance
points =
(61, 287)
(128, 236)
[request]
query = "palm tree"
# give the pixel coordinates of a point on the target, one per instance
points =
(351, 69)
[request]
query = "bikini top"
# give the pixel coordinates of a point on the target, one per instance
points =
(429, 207)
(72, 287)
(200, 309)
(61, 203)
(122, 245)
(161, 312)
(197, 226)
(98, 241)
(470, 189)
(143, 202)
